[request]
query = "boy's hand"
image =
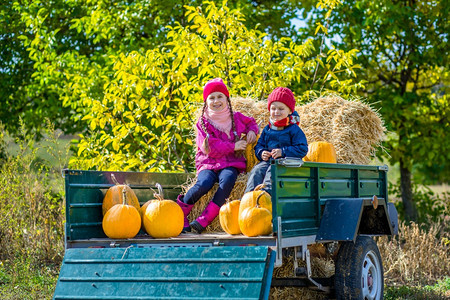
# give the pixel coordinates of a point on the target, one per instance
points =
(276, 153)
(265, 155)
(240, 145)
(251, 137)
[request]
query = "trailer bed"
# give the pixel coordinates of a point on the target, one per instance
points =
(183, 240)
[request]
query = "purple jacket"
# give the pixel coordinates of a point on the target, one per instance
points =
(221, 147)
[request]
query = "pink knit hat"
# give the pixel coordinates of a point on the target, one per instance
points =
(215, 85)
(283, 95)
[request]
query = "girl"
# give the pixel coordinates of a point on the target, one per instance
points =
(217, 158)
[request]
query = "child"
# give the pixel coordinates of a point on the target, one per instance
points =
(217, 159)
(282, 137)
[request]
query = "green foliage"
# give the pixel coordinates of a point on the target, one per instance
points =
(431, 207)
(58, 57)
(440, 291)
(442, 286)
(145, 119)
(56, 53)
(431, 173)
(32, 210)
(404, 57)
(31, 205)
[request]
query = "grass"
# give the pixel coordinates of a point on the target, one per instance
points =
(21, 280)
(416, 262)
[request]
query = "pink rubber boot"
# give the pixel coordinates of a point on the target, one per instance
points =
(186, 208)
(207, 216)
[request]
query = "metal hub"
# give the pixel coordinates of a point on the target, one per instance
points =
(371, 277)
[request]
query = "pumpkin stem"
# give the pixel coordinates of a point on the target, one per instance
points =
(160, 190)
(114, 179)
(160, 194)
(257, 200)
(259, 186)
(124, 195)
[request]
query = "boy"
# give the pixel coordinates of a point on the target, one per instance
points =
(282, 137)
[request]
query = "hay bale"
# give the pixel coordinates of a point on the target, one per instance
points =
(363, 132)
(292, 293)
(315, 118)
(320, 268)
(353, 127)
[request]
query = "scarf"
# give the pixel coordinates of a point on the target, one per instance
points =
(220, 119)
(293, 118)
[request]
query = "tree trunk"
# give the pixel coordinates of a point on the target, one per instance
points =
(406, 190)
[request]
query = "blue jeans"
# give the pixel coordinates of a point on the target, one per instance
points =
(206, 180)
(260, 174)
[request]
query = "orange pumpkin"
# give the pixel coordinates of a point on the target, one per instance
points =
(143, 209)
(249, 199)
(114, 195)
(122, 221)
(257, 220)
(321, 152)
(163, 218)
(229, 217)
(146, 204)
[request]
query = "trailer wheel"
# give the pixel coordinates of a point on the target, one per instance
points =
(359, 270)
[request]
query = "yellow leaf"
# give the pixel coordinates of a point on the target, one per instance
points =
(115, 145)
(107, 142)
(178, 137)
(93, 124)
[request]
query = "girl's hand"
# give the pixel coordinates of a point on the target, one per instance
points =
(276, 153)
(240, 145)
(251, 137)
(265, 155)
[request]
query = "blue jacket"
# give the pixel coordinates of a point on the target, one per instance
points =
(291, 140)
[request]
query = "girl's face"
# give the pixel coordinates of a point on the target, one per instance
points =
(279, 111)
(217, 101)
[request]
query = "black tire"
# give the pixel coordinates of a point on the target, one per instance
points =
(359, 270)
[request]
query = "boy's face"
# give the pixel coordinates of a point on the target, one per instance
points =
(217, 101)
(279, 111)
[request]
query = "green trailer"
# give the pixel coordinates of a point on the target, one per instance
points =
(340, 206)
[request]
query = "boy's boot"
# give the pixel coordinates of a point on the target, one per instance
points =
(207, 216)
(186, 208)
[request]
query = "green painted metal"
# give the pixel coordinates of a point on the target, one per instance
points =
(166, 273)
(85, 191)
(299, 192)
